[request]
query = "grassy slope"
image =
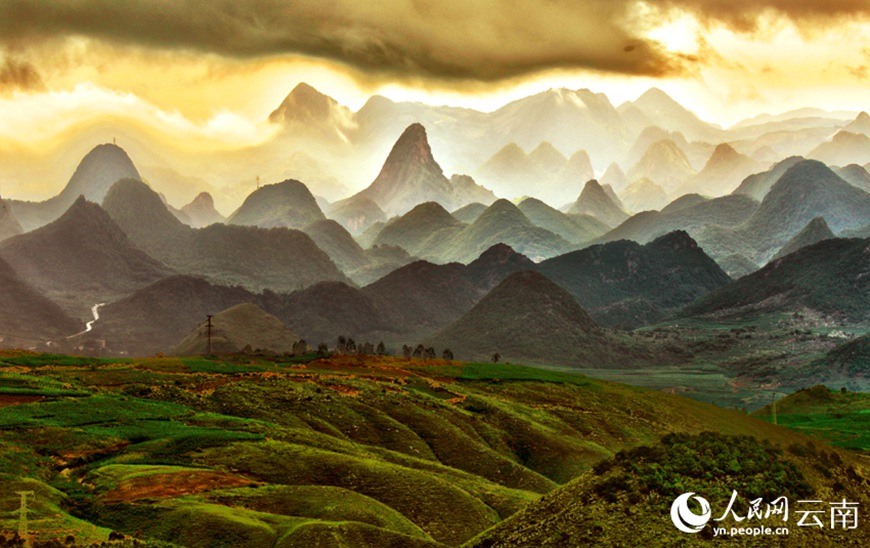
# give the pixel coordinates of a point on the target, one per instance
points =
(353, 450)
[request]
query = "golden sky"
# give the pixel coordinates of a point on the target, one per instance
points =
(205, 75)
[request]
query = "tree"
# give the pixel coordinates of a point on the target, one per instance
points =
(322, 350)
(418, 352)
(447, 355)
(430, 353)
(496, 357)
(382, 350)
(406, 351)
(351, 346)
(368, 349)
(300, 347)
(341, 345)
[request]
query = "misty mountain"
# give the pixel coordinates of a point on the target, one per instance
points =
(809, 189)
(316, 115)
(829, 277)
(626, 284)
(337, 242)
(234, 329)
(644, 195)
(816, 231)
(280, 259)
(596, 202)
(288, 204)
(659, 109)
(843, 149)
(722, 173)
(9, 225)
(82, 258)
(530, 319)
(469, 213)
(201, 211)
(356, 214)
(615, 177)
(575, 228)
(410, 176)
(421, 231)
(855, 175)
(860, 125)
(664, 164)
(759, 184)
(502, 222)
(95, 174)
(28, 317)
(512, 172)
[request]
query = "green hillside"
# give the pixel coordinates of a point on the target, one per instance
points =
(343, 451)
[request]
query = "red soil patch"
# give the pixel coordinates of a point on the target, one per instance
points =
(160, 486)
(11, 399)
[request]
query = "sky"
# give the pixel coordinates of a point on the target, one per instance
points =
(206, 75)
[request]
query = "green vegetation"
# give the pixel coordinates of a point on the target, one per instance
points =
(841, 418)
(348, 450)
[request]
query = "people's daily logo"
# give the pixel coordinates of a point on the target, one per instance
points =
(684, 518)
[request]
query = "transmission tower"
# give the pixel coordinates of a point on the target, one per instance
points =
(208, 335)
(23, 534)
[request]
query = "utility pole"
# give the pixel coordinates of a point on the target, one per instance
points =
(774, 408)
(23, 534)
(208, 334)
(258, 182)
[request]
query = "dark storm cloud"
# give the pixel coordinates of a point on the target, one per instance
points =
(19, 75)
(420, 39)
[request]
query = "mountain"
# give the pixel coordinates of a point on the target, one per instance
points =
(422, 230)
(383, 259)
(528, 318)
(152, 319)
(201, 211)
(691, 213)
(410, 176)
(555, 116)
(809, 189)
(847, 365)
(722, 173)
(573, 228)
(9, 225)
(829, 277)
(659, 109)
(548, 159)
(494, 265)
(759, 184)
(337, 242)
(234, 329)
(512, 172)
(860, 125)
(357, 213)
(855, 175)
(422, 297)
(625, 284)
(816, 231)
(279, 259)
(502, 222)
(466, 191)
(644, 195)
(653, 134)
(82, 258)
(289, 204)
(737, 265)
(469, 213)
(595, 201)
(843, 149)
(324, 311)
(615, 177)
(572, 177)
(664, 164)
(27, 317)
(95, 174)
(305, 110)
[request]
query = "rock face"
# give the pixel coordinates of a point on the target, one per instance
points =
(234, 329)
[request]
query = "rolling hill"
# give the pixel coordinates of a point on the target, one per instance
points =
(234, 329)
(288, 204)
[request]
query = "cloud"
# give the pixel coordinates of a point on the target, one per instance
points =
(452, 40)
(19, 75)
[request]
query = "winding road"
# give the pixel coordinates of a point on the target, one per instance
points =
(95, 310)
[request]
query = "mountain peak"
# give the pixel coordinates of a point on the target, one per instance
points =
(289, 204)
(98, 171)
(412, 145)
